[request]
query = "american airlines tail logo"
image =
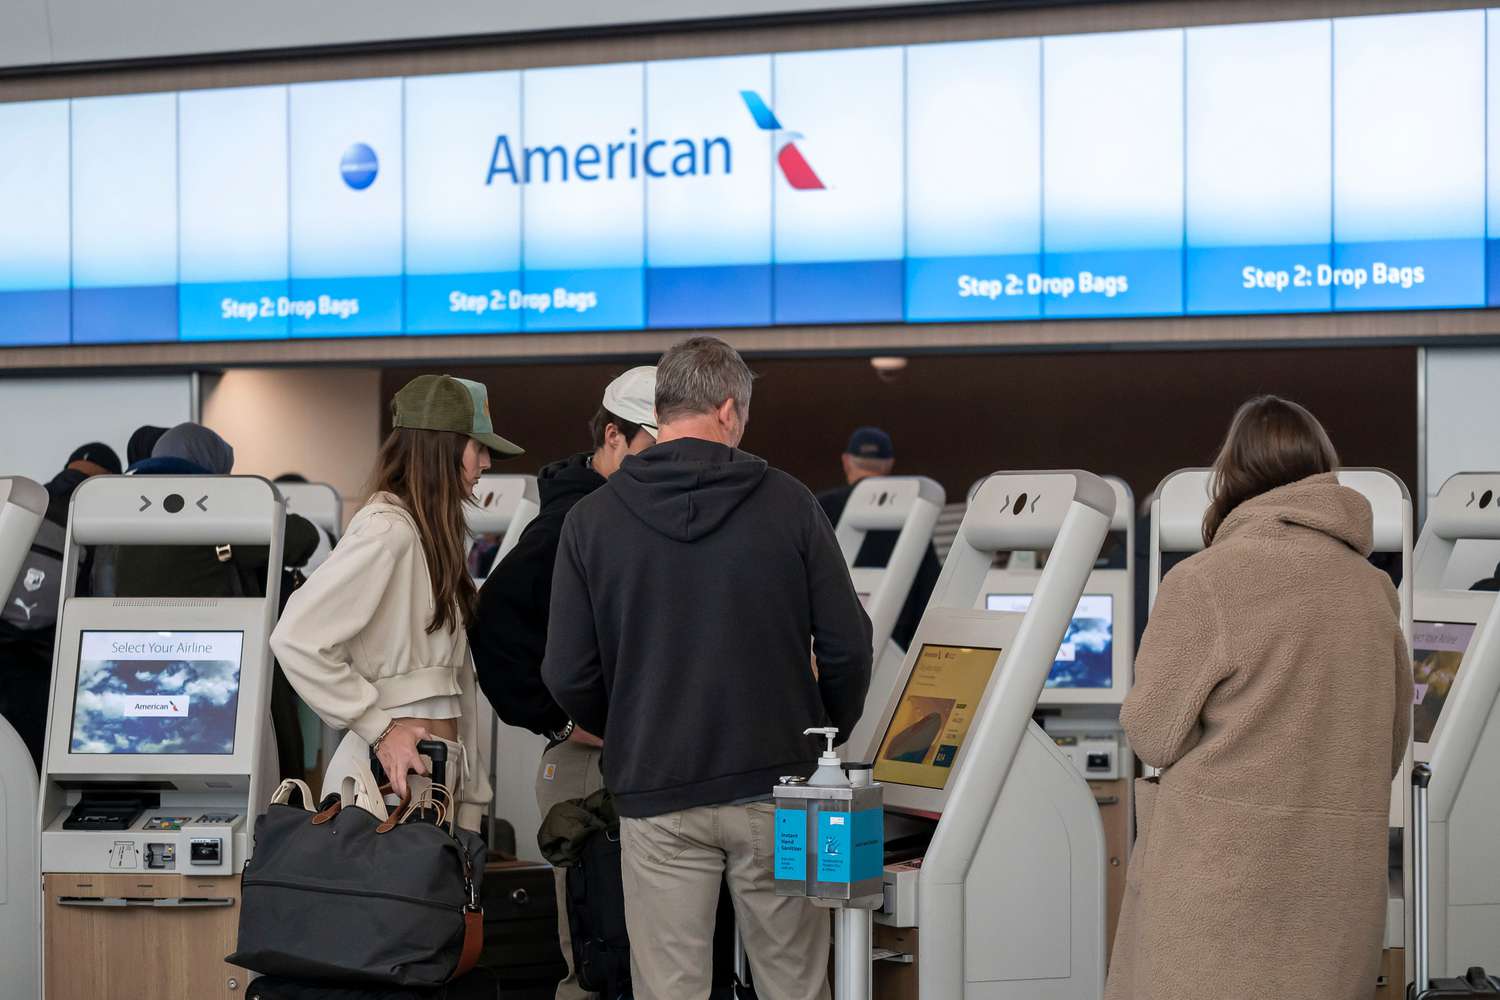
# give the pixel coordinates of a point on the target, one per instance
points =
(794, 167)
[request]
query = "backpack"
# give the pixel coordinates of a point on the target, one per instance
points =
(33, 601)
(596, 915)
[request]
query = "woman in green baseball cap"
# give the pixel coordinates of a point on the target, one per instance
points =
(375, 641)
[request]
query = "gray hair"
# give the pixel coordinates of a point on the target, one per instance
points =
(697, 375)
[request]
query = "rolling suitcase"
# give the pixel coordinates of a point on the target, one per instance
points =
(1476, 984)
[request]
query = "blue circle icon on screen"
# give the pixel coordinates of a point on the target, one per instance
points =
(359, 166)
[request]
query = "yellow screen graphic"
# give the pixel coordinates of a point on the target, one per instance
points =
(936, 709)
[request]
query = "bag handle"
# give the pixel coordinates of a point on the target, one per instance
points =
(283, 794)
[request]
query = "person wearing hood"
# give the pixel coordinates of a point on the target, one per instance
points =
(509, 632)
(138, 449)
(687, 591)
(375, 641)
(1274, 688)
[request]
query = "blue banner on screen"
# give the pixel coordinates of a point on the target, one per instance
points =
(1296, 166)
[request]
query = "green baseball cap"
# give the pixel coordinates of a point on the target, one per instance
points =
(445, 403)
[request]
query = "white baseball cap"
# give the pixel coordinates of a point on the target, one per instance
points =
(632, 397)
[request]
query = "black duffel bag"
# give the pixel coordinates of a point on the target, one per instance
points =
(339, 896)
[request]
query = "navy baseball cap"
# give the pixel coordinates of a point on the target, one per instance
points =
(870, 442)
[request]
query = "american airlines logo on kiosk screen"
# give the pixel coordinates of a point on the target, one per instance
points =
(1297, 166)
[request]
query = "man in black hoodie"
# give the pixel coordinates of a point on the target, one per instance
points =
(509, 633)
(691, 585)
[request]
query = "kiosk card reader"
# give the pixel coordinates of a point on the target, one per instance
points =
(159, 751)
(502, 507)
(995, 865)
(1080, 704)
(909, 505)
(1456, 726)
(1177, 529)
(22, 505)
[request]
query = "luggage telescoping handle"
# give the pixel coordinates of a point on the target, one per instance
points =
(437, 752)
(1421, 776)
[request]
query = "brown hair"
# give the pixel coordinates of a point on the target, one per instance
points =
(1271, 442)
(599, 426)
(424, 469)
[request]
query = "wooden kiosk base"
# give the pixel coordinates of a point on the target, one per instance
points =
(162, 936)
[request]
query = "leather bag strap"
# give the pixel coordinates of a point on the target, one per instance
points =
(473, 942)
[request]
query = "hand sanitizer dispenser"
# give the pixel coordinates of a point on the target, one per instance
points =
(830, 833)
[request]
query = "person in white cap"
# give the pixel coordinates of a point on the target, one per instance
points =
(509, 632)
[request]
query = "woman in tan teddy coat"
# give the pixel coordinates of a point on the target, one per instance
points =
(1274, 687)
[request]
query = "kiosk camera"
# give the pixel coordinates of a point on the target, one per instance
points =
(1456, 726)
(159, 751)
(503, 506)
(994, 848)
(909, 505)
(22, 505)
(1080, 705)
(1177, 529)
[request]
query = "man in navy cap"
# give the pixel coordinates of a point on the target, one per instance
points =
(870, 453)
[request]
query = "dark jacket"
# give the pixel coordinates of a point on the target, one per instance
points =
(509, 634)
(875, 552)
(685, 595)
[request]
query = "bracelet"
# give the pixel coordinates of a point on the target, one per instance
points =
(375, 747)
(561, 736)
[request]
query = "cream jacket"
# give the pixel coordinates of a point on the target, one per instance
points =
(353, 640)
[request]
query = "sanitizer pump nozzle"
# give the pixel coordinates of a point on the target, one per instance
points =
(830, 772)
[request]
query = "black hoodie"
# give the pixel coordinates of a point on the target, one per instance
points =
(509, 634)
(691, 586)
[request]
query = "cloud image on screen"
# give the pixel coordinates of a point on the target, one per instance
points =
(155, 706)
(1086, 659)
(917, 729)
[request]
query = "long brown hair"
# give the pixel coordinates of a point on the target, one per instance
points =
(1271, 442)
(424, 469)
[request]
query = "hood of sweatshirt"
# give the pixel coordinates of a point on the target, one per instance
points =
(686, 488)
(567, 479)
(1317, 503)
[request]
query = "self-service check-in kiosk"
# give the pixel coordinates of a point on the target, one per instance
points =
(22, 505)
(1177, 531)
(1456, 726)
(1080, 705)
(502, 507)
(159, 750)
(909, 505)
(994, 882)
(321, 504)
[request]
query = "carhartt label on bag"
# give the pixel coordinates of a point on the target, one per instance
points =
(549, 772)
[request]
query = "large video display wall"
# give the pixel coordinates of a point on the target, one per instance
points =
(1263, 168)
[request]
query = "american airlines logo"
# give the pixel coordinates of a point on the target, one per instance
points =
(794, 166)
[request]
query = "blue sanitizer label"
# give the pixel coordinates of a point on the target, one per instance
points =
(869, 844)
(791, 844)
(834, 847)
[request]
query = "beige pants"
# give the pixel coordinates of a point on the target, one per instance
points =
(569, 771)
(672, 868)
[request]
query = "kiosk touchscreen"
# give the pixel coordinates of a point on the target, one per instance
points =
(22, 505)
(1456, 725)
(1177, 528)
(995, 866)
(502, 507)
(908, 506)
(159, 750)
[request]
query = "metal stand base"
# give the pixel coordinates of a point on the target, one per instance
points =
(852, 928)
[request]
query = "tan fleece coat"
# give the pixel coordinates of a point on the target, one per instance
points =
(1274, 686)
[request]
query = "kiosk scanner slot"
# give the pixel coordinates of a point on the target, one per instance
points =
(504, 506)
(995, 867)
(22, 506)
(159, 751)
(1457, 725)
(909, 505)
(1177, 530)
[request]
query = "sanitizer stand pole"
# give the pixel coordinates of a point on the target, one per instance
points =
(851, 943)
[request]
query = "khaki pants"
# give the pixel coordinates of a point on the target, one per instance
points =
(569, 771)
(672, 868)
